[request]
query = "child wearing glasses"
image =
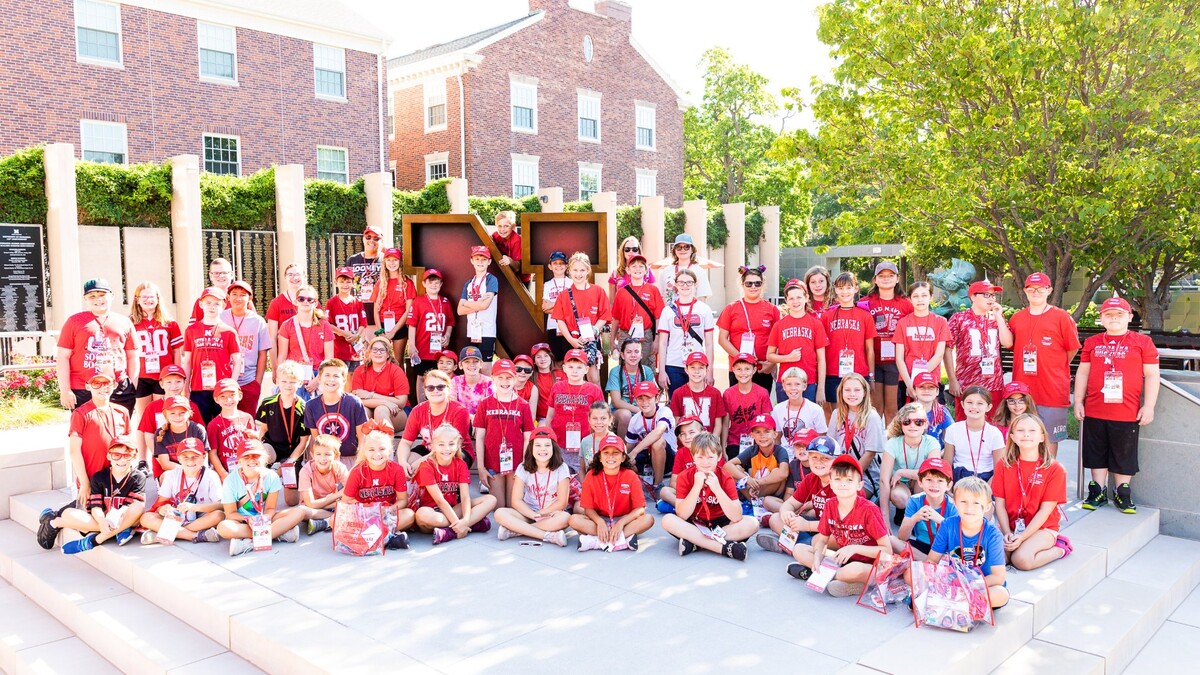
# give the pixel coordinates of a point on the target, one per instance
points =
(905, 450)
(437, 409)
(973, 352)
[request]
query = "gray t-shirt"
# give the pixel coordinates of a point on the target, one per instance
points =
(542, 489)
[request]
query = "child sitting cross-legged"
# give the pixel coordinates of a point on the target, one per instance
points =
(377, 479)
(971, 538)
(614, 508)
(927, 510)
(540, 493)
(189, 493)
(322, 480)
(252, 491)
(115, 502)
(686, 432)
(1029, 485)
(444, 504)
(800, 514)
(708, 514)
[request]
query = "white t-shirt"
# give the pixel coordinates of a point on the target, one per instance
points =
(703, 287)
(483, 321)
(810, 416)
(868, 437)
(173, 485)
(541, 490)
(678, 338)
(640, 427)
(550, 291)
(967, 443)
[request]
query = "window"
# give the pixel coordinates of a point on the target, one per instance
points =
(218, 52)
(645, 126)
(525, 175)
(589, 116)
(589, 180)
(437, 166)
(98, 31)
(332, 164)
(221, 155)
(103, 142)
(647, 183)
(435, 105)
(330, 67)
(523, 92)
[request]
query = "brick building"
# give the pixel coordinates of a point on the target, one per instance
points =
(244, 85)
(558, 98)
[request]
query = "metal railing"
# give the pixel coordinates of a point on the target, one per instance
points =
(32, 350)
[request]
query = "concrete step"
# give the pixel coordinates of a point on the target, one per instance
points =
(69, 657)
(1120, 534)
(980, 651)
(1042, 657)
(31, 460)
(1120, 615)
(33, 641)
(1173, 646)
(25, 508)
(1053, 588)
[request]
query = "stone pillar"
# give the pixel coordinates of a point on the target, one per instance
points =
(653, 225)
(187, 241)
(552, 199)
(606, 202)
(290, 219)
(456, 191)
(62, 235)
(720, 295)
(695, 223)
(735, 246)
(379, 204)
(769, 253)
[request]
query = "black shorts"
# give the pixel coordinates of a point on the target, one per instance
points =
(424, 452)
(424, 366)
(921, 546)
(1110, 445)
(352, 366)
(148, 387)
(720, 521)
(401, 334)
(886, 373)
(643, 460)
(832, 382)
(732, 451)
(558, 345)
(487, 347)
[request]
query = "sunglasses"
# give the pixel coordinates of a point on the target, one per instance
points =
(752, 284)
(632, 249)
(909, 423)
(525, 370)
(305, 299)
(435, 387)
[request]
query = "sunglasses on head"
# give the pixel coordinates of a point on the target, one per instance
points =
(435, 387)
(912, 422)
(524, 369)
(305, 299)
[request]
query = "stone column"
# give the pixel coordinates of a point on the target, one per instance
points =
(187, 240)
(769, 253)
(552, 199)
(62, 235)
(720, 295)
(695, 223)
(290, 219)
(456, 191)
(379, 204)
(653, 226)
(606, 202)
(735, 246)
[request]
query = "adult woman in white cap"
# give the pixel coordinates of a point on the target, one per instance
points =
(683, 257)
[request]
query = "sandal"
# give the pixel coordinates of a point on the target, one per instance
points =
(1065, 544)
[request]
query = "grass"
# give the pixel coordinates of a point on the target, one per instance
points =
(28, 412)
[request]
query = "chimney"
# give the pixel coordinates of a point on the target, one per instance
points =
(547, 5)
(614, 9)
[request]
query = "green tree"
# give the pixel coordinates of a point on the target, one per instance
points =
(1022, 136)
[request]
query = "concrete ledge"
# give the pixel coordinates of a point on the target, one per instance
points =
(1189, 611)
(15, 542)
(1169, 651)
(24, 509)
(980, 651)
(1042, 657)
(64, 656)
(24, 625)
(1057, 586)
(1120, 534)
(19, 480)
(33, 445)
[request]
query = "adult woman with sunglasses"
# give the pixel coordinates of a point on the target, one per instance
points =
(745, 325)
(683, 257)
(381, 384)
(629, 248)
(283, 306)
(307, 339)
(436, 410)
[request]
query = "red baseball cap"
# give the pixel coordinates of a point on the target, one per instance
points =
(743, 357)
(227, 384)
(173, 402)
(190, 445)
(935, 464)
(636, 257)
(392, 252)
(503, 367)
(763, 422)
(125, 442)
(793, 283)
(448, 354)
(377, 425)
(925, 379)
(214, 292)
(544, 432)
(686, 420)
(241, 284)
(610, 441)
(343, 272)
(522, 358)
(101, 375)
(847, 460)
(173, 369)
(1115, 303)
(1037, 279)
(802, 437)
(695, 357)
(431, 272)
(645, 388)
(251, 446)
(1015, 387)
(374, 229)
(983, 287)
(575, 355)
(540, 347)
(481, 251)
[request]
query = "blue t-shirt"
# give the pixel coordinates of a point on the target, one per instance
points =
(234, 491)
(938, 431)
(619, 380)
(920, 531)
(984, 548)
(340, 420)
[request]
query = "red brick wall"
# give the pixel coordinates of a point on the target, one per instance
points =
(411, 143)
(44, 91)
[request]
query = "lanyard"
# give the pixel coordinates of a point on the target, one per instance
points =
(108, 420)
(260, 506)
(114, 490)
(904, 445)
(685, 320)
(941, 512)
(439, 312)
(978, 453)
(185, 491)
(925, 332)
(629, 382)
(788, 419)
(746, 313)
(1115, 349)
(539, 492)
(505, 416)
(977, 548)
(608, 496)
(433, 421)
(1025, 488)
(473, 288)
(289, 420)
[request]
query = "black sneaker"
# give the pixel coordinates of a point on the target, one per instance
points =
(798, 571)
(898, 519)
(47, 533)
(632, 542)
(686, 547)
(1097, 496)
(397, 541)
(1123, 499)
(734, 549)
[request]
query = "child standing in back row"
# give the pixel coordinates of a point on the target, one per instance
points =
(581, 312)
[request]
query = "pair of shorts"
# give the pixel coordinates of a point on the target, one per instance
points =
(1055, 420)
(251, 392)
(423, 367)
(887, 373)
(961, 472)
(401, 334)
(558, 345)
(424, 451)
(148, 387)
(353, 365)
(593, 351)
(832, 382)
(921, 546)
(1111, 445)
(643, 460)
(487, 346)
(720, 521)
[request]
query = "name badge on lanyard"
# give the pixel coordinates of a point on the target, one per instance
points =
(1029, 359)
(987, 365)
(168, 530)
(260, 526)
(574, 437)
(636, 329)
(919, 366)
(152, 364)
(389, 320)
(747, 344)
(1114, 387)
(208, 375)
(845, 363)
(506, 457)
(585, 329)
(745, 442)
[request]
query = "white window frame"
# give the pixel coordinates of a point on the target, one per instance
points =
(590, 169)
(206, 77)
(516, 85)
(432, 160)
(586, 99)
(204, 160)
(524, 163)
(320, 63)
(83, 138)
(345, 153)
(82, 58)
(645, 175)
(643, 111)
(431, 92)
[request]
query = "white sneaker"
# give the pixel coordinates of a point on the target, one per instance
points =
(502, 532)
(557, 538)
(843, 589)
(148, 537)
(589, 542)
(291, 536)
(240, 546)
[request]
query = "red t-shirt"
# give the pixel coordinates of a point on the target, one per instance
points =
(390, 382)
(348, 316)
(421, 423)
(209, 343)
(1024, 486)
(847, 329)
(811, 490)
(368, 486)
(886, 313)
(920, 337)
(743, 408)
(430, 316)
(315, 337)
(281, 309)
(684, 461)
(863, 526)
(625, 308)
(156, 339)
(225, 436)
(612, 496)
(757, 317)
(153, 417)
(446, 478)
(545, 383)
(1052, 335)
(89, 337)
(506, 421)
(707, 404)
(570, 402)
(975, 338)
(97, 428)
(709, 508)
(1126, 354)
(511, 247)
(394, 297)
(806, 334)
(591, 303)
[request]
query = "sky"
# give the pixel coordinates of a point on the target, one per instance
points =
(777, 38)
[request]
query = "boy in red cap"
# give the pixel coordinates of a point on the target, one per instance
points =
(614, 509)
(800, 512)
(94, 425)
(569, 402)
(430, 324)
(708, 514)
(762, 470)
(348, 316)
(227, 430)
(115, 502)
(1116, 388)
(173, 381)
(478, 304)
(250, 496)
(650, 431)
(699, 398)
(190, 495)
(851, 530)
(743, 402)
(502, 426)
(926, 510)
(977, 333)
(925, 391)
(210, 353)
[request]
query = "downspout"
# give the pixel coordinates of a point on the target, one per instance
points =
(381, 63)
(462, 125)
